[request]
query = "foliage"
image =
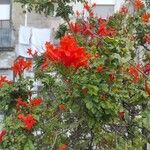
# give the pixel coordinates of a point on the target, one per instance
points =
(94, 87)
(62, 8)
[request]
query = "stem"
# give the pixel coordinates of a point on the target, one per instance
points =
(55, 139)
(139, 70)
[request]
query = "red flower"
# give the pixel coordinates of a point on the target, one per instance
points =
(20, 65)
(138, 4)
(62, 107)
(87, 6)
(82, 28)
(36, 102)
(29, 121)
(123, 10)
(20, 102)
(91, 14)
(63, 147)
(147, 38)
(2, 134)
(77, 13)
(68, 53)
(111, 77)
(101, 20)
(121, 114)
(3, 80)
(104, 31)
(133, 71)
(147, 89)
(94, 5)
(146, 69)
(45, 64)
(100, 68)
(75, 27)
(30, 52)
(146, 17)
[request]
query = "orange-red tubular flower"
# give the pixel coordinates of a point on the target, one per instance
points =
(100, 68)
(2, 134)
(133, 71)
(146, 17)
(147, 38)
(75, 27)
(28, 120)
(146, 69)
(104, 31)
(63, 147)
(147, 88)
(36, 102)
(138, 4)
(20, 65)
(3, 80)
(20, 102)
(121, 114)
(69, 53)
(62, 107)
(87, 6)
(123, 10)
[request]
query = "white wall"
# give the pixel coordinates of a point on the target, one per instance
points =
(103, 2)
(4, 12)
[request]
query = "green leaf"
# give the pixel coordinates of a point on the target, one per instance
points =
(93, 90)
(29, 145)
(89, 105)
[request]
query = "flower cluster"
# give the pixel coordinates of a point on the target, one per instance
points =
(86, 29)
(32, 103)
(20, 65)
(28, 120)
(69, 53)
(83, 28)
(138, 4)
(3, 80)
(89, 8)
(146, 17)
(134, 72)
(123, 10)
(104, 31)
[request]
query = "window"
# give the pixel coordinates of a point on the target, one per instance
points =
(104, 11)
(5, 24)
(106, 8)
(5, 9)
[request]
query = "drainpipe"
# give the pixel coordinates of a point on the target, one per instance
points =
(26, 16)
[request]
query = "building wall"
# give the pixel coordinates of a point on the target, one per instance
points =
(33, 19)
